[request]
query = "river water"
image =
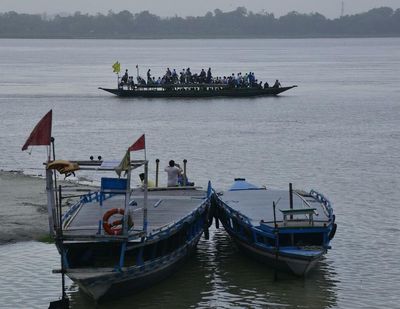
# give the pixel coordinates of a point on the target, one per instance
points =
(338, 133)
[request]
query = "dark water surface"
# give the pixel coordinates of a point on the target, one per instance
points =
(338, 132)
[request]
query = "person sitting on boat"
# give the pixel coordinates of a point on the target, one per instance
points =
(266, 85)
(184, 181)
(140, 80)
(277, 84)
(173, 170)
(125, 77)
(150, 183)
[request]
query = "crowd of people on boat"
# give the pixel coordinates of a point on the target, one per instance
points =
(186, 77)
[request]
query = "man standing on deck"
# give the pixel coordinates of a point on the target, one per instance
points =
(149, 80)
(173, 170)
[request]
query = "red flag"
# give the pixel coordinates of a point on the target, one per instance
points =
(138, 145)
(41, 134)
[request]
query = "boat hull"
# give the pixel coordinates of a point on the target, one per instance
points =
(294, 242)
(295, 265)
(225, 92)
(107, 285)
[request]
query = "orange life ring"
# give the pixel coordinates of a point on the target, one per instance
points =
(115, 227)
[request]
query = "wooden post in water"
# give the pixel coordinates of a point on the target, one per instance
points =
(184, 172)
(157, 165)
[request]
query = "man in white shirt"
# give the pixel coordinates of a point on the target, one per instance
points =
(173, 170)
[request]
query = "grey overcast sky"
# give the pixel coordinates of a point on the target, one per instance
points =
(329, 8)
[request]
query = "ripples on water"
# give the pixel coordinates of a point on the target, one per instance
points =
(337, 133)
(217, 276)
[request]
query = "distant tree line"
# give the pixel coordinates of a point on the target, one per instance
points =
(239, 23)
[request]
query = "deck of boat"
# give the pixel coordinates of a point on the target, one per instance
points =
(164, 207)
(200, 91)
(257, 205)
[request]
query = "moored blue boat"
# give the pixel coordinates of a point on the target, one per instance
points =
(118, 239)
(288, 230)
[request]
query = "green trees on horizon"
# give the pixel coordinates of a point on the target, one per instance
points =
(238, 23)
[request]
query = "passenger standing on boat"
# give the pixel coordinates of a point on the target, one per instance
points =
(168, 76)
(277, 84)
(173, 170)
(125, 77)
(174, 76)
(182, 77)
(188, 76)
(149, 80)
(131, 83)
(202, 76)
(209, 76)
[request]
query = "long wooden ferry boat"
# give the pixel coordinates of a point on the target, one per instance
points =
(194, 91)
(287, 230)
(118, 239)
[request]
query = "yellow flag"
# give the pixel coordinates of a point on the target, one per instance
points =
(116, 67)
(124, 165)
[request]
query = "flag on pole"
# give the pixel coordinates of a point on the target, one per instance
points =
(139, 144)
(116, 67)
(124, 165)
(41, 134)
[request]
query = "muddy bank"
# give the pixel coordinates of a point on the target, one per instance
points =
(23, 213)
(23, 209)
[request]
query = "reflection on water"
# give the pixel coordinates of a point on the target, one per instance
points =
(216, 276)
(238, 280)
(337, 133)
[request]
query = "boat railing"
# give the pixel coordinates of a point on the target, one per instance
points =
(84, 199)
(326, 204)
(305, 202)
(298, 212)
(238, 215)
(168, 228)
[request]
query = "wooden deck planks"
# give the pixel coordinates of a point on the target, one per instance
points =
(174, 205)
(257, 204)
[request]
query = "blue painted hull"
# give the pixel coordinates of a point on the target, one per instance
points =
(291, 244)
(107, 285)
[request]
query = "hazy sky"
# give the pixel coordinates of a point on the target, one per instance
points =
(329, 8)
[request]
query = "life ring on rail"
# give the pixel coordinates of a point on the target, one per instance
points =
(115, 227)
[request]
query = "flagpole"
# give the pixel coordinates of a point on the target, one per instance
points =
(55, 182)
(146, 172)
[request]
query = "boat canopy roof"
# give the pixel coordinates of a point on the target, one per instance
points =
(242, 184)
